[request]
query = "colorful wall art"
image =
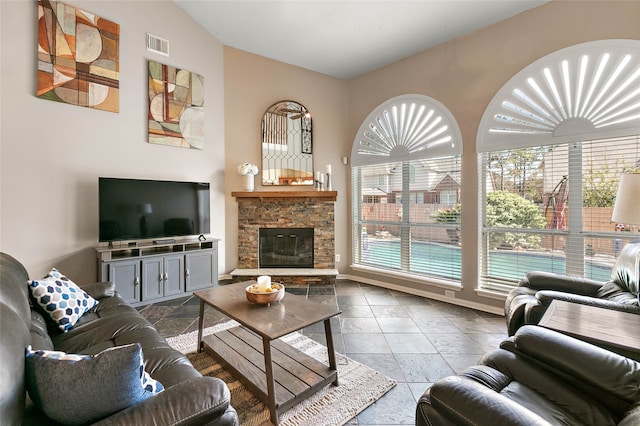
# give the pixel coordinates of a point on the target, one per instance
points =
(176, 107)
(78, 57)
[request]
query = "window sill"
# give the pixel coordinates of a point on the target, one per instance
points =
(435, 282)
(496, 295)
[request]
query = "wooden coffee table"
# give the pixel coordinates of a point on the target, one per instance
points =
(278, 374)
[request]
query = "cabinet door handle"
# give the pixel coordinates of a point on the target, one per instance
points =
(161, 278)
(166, 276)
(187, 273)
(136, 282)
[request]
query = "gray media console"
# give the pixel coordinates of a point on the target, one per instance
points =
(147, 273)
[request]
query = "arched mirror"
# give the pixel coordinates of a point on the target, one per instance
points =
(287, 145)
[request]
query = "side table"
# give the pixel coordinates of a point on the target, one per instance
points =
(613, 330)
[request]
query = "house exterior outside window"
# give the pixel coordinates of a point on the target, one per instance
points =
(449, 197)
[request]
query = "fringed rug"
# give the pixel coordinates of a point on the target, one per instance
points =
(360, 386)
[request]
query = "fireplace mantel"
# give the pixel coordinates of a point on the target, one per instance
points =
(288, 195)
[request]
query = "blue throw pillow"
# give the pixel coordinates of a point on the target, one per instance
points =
(61, 299)
(116, 376)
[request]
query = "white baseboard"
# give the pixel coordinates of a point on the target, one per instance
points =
(429, 295)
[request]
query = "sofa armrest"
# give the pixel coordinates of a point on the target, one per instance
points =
(617, 375)
(464, 401)
(545, 297)
(100, 289)
(201, 400)
(427, 415)
(534, 310)
(515, 308)
(566, 283)
(632, 416)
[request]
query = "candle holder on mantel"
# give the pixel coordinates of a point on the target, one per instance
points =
(319, 181)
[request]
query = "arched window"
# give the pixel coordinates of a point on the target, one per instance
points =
(406, 179)
(551, 147)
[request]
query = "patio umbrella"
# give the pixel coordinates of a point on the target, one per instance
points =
(558, 201)
(555, 208)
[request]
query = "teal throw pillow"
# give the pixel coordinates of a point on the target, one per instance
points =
(61, 299)
(116, 376)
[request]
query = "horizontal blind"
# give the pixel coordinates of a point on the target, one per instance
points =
(406, 216)
(549, 208)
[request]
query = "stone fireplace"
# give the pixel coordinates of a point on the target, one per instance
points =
(284, 213)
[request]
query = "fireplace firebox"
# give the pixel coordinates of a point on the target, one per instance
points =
(286, 247)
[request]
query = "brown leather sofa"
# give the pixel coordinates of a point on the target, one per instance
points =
(538, 377)
(188, 397)
(527, 303)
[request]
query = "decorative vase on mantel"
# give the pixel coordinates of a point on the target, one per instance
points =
(249, 182)
(249, 171)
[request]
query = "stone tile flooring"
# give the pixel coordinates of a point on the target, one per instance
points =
(413, 340)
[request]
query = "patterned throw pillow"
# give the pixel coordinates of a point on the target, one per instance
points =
(61, 299)
(117, 376)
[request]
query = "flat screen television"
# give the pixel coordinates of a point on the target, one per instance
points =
(135, 209)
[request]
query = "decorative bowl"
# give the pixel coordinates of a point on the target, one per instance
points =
(265, 298)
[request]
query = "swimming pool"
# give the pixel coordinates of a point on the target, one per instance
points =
(444, 260)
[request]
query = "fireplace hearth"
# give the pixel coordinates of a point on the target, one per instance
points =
(286, 248)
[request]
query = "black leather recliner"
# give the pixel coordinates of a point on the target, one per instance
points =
(527, 303)
(538, 377)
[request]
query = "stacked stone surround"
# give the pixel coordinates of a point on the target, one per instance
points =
(256, 213)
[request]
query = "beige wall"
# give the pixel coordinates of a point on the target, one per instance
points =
(252, 84)
(465, 73)
(52, 153)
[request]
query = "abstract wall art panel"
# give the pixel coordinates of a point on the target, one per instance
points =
(78, 57)
(176, 107)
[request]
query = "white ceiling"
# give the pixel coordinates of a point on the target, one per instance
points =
(345, 38)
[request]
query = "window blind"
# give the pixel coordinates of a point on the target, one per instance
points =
(406, 216)
(549, 208)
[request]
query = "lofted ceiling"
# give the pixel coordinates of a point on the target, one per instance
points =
(345, 38)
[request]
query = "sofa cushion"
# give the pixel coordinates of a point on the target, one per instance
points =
(77, 389)
(40, 339)
(61, 299)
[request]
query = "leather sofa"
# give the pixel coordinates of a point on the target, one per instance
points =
(527, 303)
(188, 397)
(538, 377)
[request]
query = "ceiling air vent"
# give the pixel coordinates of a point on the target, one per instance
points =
(157, 45)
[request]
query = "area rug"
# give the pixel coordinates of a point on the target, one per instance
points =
(360, 386)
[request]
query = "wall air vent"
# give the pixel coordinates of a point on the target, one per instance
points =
(157, 45)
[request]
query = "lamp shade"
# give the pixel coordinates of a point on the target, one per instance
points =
(627, 207)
